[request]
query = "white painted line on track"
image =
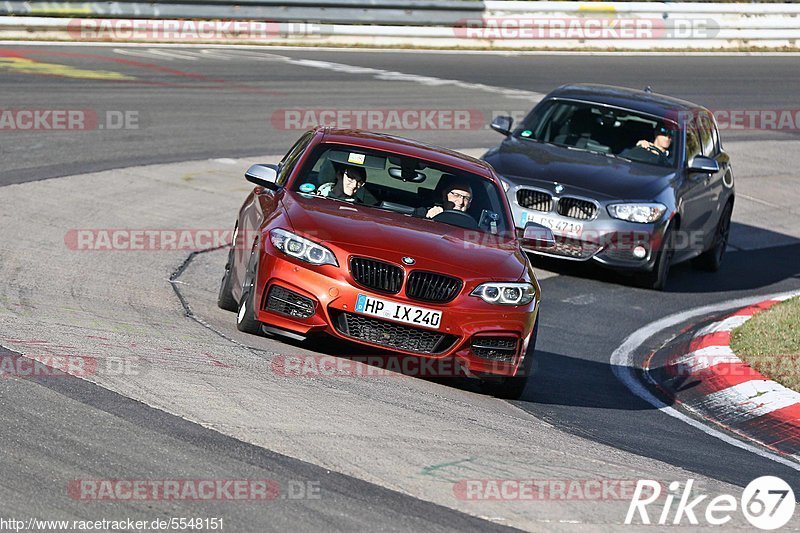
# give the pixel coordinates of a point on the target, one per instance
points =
(389, 75)
(378, 74)
(172, 54)
(415, 50)
(622, 365)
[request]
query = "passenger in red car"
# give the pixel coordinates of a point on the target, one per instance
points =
(349, 186)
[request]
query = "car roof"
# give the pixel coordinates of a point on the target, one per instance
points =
(637, 100)
(408, 147)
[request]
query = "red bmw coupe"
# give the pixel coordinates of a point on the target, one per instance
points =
(392, 244)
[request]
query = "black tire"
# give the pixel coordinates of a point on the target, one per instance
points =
(711, 259)
(225, 299)
(512, 388)
(245, 316)
(656, 279)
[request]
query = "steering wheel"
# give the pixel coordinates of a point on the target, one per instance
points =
(457, 218)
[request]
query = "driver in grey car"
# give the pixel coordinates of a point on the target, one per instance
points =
(456, 196)
(656, 151)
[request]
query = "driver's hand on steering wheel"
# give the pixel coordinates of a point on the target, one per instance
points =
(433, 211)
(650, 147)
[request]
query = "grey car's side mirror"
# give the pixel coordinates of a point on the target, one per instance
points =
(263, 175)
(537, 237)
(700, 163)
(502, 124)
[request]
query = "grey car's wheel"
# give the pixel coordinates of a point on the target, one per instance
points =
(711, 259)
(511, 388)
(245, 316)
(225, 299)
(656, 279)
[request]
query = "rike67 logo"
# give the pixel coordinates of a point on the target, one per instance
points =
(767, 503)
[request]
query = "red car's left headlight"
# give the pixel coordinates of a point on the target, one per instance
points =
(505, 293)
(301, 248)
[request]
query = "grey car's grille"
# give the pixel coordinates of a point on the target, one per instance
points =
(376, 275)
(536, 200)
(573, 248)
(432, 287)
(576, 208)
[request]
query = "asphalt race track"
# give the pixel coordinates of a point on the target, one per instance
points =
(181, 394)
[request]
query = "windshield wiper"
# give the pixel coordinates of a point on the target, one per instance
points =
(615, 156)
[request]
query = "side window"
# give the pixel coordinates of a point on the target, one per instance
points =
(693, 147)
(715, 136)
(705, 126)
(290, 159)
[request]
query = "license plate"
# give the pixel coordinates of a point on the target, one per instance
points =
(409, 314)
(559, 227)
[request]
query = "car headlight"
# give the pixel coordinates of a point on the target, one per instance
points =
(642, 213)
(301, 248)
(505, 293)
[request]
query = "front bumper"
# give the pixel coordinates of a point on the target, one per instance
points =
(613, 243)
(471, 330)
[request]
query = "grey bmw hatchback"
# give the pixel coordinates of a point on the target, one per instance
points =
(629, 179)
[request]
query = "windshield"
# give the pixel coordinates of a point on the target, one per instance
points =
(601, 129)
(412, 187)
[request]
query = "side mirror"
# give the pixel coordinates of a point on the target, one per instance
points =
(703, 164)
(502, 124)
(537, 237)
(263, 175)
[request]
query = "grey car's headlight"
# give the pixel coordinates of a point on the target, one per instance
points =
(505, 293)
(639, 212)
(301, 248)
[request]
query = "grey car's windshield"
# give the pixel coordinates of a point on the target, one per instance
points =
(602, 129)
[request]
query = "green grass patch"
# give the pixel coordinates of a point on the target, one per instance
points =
(770, 343)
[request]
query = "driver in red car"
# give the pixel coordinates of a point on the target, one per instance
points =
(456, 196)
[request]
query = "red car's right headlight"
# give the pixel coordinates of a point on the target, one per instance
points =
(301, 248)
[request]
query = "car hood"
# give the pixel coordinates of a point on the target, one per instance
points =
(391, 236)
(595, 175)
